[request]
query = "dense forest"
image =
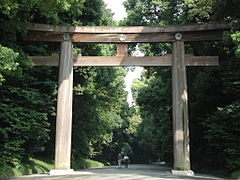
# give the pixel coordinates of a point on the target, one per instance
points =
(28, 93)
(214, 103)
(103, 123)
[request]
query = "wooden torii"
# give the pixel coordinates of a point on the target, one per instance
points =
(122, 36)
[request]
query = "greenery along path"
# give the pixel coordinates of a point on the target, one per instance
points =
(136, 172)
(103, 124)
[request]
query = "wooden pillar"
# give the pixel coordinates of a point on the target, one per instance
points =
(64, 108)
(122, 49)
(180, 108)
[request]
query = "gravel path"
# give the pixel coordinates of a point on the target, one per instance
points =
(134, 172)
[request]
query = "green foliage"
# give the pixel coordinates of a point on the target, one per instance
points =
(236, 39)
(103, 125)
(235, 175)
(155, 130)
(209, 88)
(152, 12)
(207, 10)
(24, 130)
(96, 13)
(200, 9)
(31, 166)
(134, 121)
(101, 100)
(86, 163)
(7, 61)
(223, 126)
(28, 94)
(23, 126)
(38, 166)
(127, 149)
(40, 11)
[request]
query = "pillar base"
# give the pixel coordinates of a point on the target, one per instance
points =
(57, 172)
(183, 172)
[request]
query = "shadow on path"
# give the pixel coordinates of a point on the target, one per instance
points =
(134, 172)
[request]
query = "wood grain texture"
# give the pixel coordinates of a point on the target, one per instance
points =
(129, 38)
(122, 49)
(64, 108)
(130, 29)
(165, 60)
(180, 108)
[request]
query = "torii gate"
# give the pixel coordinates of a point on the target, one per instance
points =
(122, 36)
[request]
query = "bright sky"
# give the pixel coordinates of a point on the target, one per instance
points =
(128, 81)
(119, 13)
(117, 7)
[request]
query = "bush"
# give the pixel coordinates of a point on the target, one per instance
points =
(86, 163)
(222, 135)
(31, 166)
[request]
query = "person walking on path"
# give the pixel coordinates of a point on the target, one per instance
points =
(126, 160)
(120, 159)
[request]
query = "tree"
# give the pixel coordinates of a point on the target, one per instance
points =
(210, 89)
(99, 102)
(28, 94)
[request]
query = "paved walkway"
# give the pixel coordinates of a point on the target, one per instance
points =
(134, 172)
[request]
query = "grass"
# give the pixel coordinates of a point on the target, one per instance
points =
(38, 166)
(222, 173)
(32, 166)
(86, 163)
(235, 175)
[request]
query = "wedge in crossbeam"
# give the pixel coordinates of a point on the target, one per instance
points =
(122, 49)
(165, 60)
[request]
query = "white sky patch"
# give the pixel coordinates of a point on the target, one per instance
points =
(131, 75)
(117, 8)
(120, 13)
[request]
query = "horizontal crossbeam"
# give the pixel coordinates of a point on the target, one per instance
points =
(126, 38)
(129, 29)
(165, 60)
(132, 34)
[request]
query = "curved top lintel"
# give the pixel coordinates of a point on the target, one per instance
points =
(130, 29)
